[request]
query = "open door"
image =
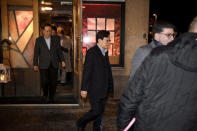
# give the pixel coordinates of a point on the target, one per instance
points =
(77, 38)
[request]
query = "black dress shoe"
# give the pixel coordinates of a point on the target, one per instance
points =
(79, 128)
(97, 129)
(51, 101)
(44, 100)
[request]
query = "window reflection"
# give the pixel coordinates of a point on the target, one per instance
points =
(110, 24)
(98, 16)
(100, 23)
(91, 36)
(91, 23)
(21, 34)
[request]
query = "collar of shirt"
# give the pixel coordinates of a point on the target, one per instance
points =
(103, 51)
(157, 43)
(48, 40)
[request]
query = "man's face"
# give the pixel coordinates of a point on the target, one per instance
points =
(105, 42)
(47, 31)
(53, 32)
(166, 36)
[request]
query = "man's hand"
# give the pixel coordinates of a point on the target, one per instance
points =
(84, 94)
(63, 64)
(36, 68)
(111, 95)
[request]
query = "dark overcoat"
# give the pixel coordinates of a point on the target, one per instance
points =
(97, 75)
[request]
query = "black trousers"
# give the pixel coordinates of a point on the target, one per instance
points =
(95, 114)
(48, 79)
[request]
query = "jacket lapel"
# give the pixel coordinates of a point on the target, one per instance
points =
(98, 51)
(44, 43)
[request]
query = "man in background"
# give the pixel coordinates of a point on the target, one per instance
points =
(66, 50)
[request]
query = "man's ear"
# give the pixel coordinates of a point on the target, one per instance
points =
(99, 40)
(156, 36)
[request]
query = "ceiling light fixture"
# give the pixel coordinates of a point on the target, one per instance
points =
(42, 2)
(46, 8)
(66, 3)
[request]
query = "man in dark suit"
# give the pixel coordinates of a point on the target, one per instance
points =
(47, 54)
(97, 81)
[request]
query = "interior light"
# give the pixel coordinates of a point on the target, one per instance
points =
(46, 8)
(42, 2)
(86, 39)
(47, 3)
(66, 3)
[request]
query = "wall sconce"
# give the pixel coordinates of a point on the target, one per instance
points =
(4, 73)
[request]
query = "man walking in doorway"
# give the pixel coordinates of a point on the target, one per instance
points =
(47, 54)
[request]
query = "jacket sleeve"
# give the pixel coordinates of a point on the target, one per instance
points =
(36, 53)
(131, 97)
(138, 58)
(111, 83)
(87, 71)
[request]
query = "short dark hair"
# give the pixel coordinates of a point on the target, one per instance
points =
(62, 32)
(45, 25)
(101, 34)
(54, 28)
(160, 25)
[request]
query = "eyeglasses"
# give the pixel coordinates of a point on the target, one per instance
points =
(169, 35)
(108, 41)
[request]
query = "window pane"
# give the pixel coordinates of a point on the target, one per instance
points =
(23, 43)
(110, 24)
(107, 17)
(91, 23)
(12, 26)
(111, 37)
(100, 23)
(23, 19)
(91, 36)
(110, 50)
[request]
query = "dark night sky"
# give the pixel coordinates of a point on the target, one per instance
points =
(180, 13)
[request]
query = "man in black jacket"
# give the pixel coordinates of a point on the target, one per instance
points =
(47, 54)
(97, 81)
(163, 92)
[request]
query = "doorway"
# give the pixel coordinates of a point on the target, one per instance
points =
(24, 87)
(59, 14)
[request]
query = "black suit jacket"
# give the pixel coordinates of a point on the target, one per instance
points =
(97, 75)
(43, 57)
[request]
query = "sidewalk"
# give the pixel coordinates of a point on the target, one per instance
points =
(52, 118)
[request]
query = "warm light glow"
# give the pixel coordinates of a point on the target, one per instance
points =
(86, 39)
(47, 3)
(154, 15)
(4, 74)
(10, 38)
(46, 8)
(42, 2)
(2, 77)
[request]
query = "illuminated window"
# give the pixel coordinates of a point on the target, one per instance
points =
(21, 35)
(103, 16)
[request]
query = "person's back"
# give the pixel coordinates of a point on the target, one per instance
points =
(172, 92)
(163, 93)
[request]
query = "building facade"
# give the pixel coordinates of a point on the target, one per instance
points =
(127, 21)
